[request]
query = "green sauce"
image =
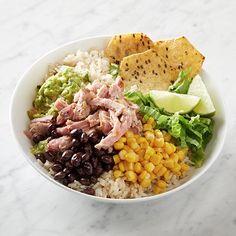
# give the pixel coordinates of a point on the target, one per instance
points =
(64, 85)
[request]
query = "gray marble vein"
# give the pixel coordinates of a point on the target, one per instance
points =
(29, 204)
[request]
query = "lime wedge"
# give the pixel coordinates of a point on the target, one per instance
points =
(198, 88)
(174, 102)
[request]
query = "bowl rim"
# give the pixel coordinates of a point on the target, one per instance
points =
(102, 199)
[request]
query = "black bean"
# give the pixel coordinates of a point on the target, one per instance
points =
(94, 137)
(41, 157)
(75, 142)
(80, 172)
(54, 134)
(99, 152)
(50, 156)
(37, 138)
(51, 128)
(89, 191)
(66, 155)
(88, 168)
(93, 180)
(88, 149)
(85, 157)
(57, 167)
(68, 164)
(107, 159)
(60, 175)
(76, 159)
(84, 138)
(84, 181)
(71, 177)
(107, 167)
(98, 170)
(76, 133)
(94, 161)
(67, 170)
(64, 181)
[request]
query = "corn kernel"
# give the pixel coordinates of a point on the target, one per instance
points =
(158, 142)
(116, 159)
(158, 133)
(151, 121)
(131, 140)
(118, 145)
(117, 173)
(144, 145)
(123, 139)
(134, 146)
(129, 134)
(150, 151)
(149, 167)
(161, 171)
(144, 162)
(184, 167)
(147, 127)
(156, 158)
(141, 140)
(126, 148)
(157, 168)
(165, 155)
(121, 166)
(181, 155)
(157, 190)
(178, 173)
(169, 148)
(174, 157)
(138, 167)
(115, 167)
(169, 163)
(136, 136)
(145, 183)
(122, 154)
(176, 168)
(128, 165)
(143, 175)
(167, 136)
(141, 153)
(153, 176)
(131, 176)
(161, 184)
(131, 157)
(167, 175)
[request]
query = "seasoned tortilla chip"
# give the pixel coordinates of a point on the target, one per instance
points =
(126, 44)
(159, 67)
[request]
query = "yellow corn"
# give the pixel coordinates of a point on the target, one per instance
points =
(143, 175)
(157, 190)
(138, 167)
(157, 168)
(130, 141)
(169, 163)
(184, 167)
(123, 139)
(149, 167)
(145, 183)
(116, 159)
(169, 148)
(152, 176)
(166, 136)
(117, 174)
(174, 157)
(156, 158)
(181, 154)
(131, 157)
(129, 165)
(118, 145)
(161, 184)
(121, 166)
(131, 176)
(161, 171)
(129, 134)
(158, 133)
(158, 142)
(167, 175)
(176, 168)
(134, 146)
(127, 148)
(147, 127)
(151, 121)
(141, 153)
(165, 155)
(122, 154)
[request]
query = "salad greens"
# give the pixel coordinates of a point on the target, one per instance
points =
(114, 70)
(181, 85)
(189, 130)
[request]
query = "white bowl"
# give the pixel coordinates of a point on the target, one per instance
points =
(25, 92)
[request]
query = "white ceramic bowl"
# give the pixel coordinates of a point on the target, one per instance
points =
(25, 92)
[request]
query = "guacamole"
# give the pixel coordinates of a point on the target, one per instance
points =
(64, 84)
(39, 147)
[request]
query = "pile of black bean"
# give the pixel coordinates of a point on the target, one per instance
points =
(81, 162)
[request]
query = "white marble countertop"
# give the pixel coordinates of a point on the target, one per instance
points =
(29, 204)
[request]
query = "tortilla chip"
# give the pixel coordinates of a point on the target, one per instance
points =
(159, 67)
(127, 44)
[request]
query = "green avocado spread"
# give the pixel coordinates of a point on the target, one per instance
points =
(64, 84)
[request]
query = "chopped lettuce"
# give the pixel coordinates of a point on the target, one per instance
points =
(181, 85)
(114, 70)
(39, 147)
(189, 130)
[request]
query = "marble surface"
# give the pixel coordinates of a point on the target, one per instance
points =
(29, 204)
